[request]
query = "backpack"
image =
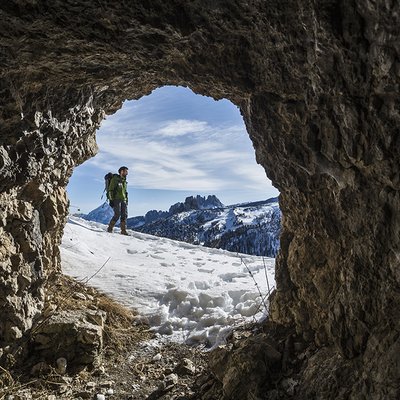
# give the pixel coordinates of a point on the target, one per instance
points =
(107, 180)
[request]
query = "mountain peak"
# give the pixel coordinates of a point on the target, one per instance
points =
(102, 214)
(196, 203)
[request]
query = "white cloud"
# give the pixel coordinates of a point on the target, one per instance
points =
(182, 127)
(178, 154)
(162, 165)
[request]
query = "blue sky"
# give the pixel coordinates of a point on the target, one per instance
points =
(176, 144)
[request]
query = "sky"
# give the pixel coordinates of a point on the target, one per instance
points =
(188, 292)
(175, 144)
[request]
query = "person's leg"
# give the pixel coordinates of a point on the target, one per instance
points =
(117, 213)
(124, 216)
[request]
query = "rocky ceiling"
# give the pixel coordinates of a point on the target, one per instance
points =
(317, 83)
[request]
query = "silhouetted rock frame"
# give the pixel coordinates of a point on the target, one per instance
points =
(317, 83)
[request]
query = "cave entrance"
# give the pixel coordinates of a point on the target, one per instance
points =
(178, 144)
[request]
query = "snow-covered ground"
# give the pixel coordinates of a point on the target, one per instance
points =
(191, 293)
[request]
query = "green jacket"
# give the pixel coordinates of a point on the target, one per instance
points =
(117, 190)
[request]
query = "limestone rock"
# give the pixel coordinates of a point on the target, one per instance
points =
(169, 382)
(185, 367)
(75, 336)
(61, 365)
(247, 370)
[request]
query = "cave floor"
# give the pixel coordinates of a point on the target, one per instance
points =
(134, 364)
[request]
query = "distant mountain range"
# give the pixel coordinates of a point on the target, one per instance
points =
(250, 228)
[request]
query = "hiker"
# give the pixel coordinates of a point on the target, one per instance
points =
(118, 196)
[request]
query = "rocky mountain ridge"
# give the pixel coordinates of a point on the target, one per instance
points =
(196, 203)
(250, 228)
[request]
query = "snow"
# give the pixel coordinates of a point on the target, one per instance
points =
(235, 216)
(190, 293)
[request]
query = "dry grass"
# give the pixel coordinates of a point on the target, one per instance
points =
(120, 330)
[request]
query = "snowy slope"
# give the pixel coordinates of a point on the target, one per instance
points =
(191, 293)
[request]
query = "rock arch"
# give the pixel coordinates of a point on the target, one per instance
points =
(318, 87)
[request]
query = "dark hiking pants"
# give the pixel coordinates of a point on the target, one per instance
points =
(120, 211)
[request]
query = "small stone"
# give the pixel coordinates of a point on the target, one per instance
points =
(109, 352)
(63, 389)
(16, 332)
(66, 379)
(157, 357)
(61, 365)
(99, 317)
(186, 367)
(101, 370)
(79, 296)
(170, 381)
(51, 397)
(91, 384)
(100, 396)
(110, 392)
(135, 387)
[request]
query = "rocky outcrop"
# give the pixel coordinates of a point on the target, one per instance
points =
(154, 215)
(74, 335)
(195, 203)
(242, 370)
(28, 251)
(317, 84)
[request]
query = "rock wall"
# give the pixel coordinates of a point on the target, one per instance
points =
(318, 86)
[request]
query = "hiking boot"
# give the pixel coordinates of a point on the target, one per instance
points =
(110, 226)
(123, 228)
